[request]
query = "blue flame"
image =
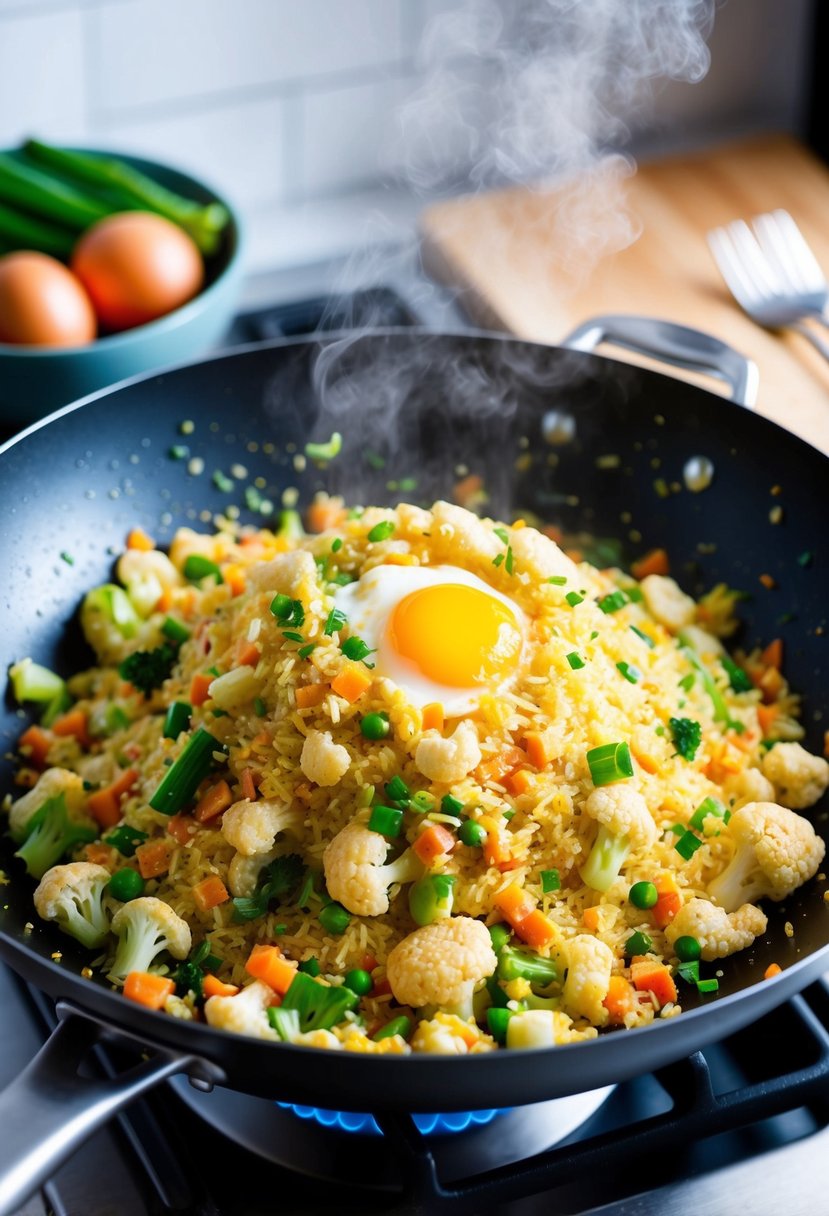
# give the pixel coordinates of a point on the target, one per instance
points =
(366, 1125)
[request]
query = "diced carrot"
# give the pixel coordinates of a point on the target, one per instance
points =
(772, 656)
(536, 749)
(514, 903)
(766, 715)
(104, 807)
(267, 963)
(164, 602)
(768, 581)
(182, 828)
(619, 1000)
(495, 848)
(249, 655)
(213, 986)
(400, 559)
(324, 514)
(261, 739)
(351, 682)
(248, 785)
(100, 854)
(235, 575)
(199, 687)
(148, 990)
(518, 781)
(27, 777)
(770, 684)
(308, 695)
(153, 858)
(772, 970)
(497, 766)
(34, 743)
(74, 723)
(209, 893)
(668, 902)
(649, 975)
(537, 929)
(432, 842)
(512, 863)
(590, 918)
(213, 802)
(553, 531)
(645, 762)
(432, 717)
(138, 539)
(655, 562)
(467, 488)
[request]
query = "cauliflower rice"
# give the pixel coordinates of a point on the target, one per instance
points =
(511, 794)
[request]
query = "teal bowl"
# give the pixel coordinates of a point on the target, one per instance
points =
(34, 381)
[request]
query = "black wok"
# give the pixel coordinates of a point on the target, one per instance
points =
(579, 440)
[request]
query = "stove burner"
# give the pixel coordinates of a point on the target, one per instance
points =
(366, 1125)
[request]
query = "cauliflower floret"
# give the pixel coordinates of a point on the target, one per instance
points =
(50, 784)
(72, 895)
(624, 823)
(317, 1038)
(749, 785)
(235, 688)
(323, 761)
(243, 872)
(450, 1035)
(111, 625)
(459, 536)
(589, 964)
(702, 642)
(544, 1028)
(291, 574)
(354, 1038)
(539, 556)
(147, 574)
(799, 778)
(667, 602)
(252, 827)
(718, 932)
(776, 851)
(244, 1013)
(448, 760)
(441, 964)
(145, 927)
(356, 872)
(178, 1007)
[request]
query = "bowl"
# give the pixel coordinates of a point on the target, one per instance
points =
(36, 380)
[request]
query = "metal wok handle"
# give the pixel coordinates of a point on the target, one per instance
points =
(674, 344)
(49, 1109)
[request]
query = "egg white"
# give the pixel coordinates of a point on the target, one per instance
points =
(369, 604)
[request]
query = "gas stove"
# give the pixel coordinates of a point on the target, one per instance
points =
(741, 1127)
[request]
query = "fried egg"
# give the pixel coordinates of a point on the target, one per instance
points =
(439, 632)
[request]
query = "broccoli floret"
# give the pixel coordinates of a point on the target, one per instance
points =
(189, 976)
(281, 880)
(72, 895)
(148, 669)
(50, 833)
(687, 736)
(309, 1005)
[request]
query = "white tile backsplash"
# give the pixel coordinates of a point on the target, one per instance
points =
(42, 74)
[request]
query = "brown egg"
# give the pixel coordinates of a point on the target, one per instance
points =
(42, 303)
(137, 266)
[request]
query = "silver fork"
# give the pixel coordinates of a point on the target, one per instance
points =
(773, 274)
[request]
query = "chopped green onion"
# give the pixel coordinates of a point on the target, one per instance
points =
(634, 593)
(687, 949)
(689, 972)
(687, 736)
(336, 544)
(387, 820)
(613, 602)
(738, 679)
(638, 943)
(174, 630)
(499, 935)
(183, 779)
(502, 534)
(472, 834)
(115, 719)
(176, 719)
(643, 895)
(325, 451)
(334, 918)
(422, 801)
(431, 898)
(305, 651)
(356, 649)
(687, 845)
(649, 642)
(498, 559)
(631, 673)
(292, 635)
(397, 790)
(450, 805)
(509, 564)
(687, 682)
(514, 964)
(334, 622)
(197, 567)
(497, 1020)
(557, 580)
(125, 839)
(67, 557)
(706, 986)
(719, 706)
(573, 598)
(678, 829)
(401, 1025)
(708, 806)
(805, 559)
(575, 661)
(550, 881)
(381, 531)
(259, 707)
(179, 451)
(610, 763)
(222, 482)
(31, 682)
(375, 726)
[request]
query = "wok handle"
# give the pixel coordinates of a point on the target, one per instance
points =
(673, 344)
(49, 1109)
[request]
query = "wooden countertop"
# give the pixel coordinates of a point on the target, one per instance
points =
(510, 254)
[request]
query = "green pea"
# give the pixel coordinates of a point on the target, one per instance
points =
(375, 726)
(472, 834)
(126, 884)
(359, 981)
(334, 918)
(500, 935)
(643, 895)
(687, 949)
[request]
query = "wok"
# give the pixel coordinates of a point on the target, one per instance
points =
(574, 438)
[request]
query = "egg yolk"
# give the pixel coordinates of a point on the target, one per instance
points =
(456, 635)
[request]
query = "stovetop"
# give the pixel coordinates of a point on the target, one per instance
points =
(741, 1128)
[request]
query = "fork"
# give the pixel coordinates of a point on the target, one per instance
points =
(773, 274)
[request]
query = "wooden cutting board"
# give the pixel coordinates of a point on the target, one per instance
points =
(510, 255)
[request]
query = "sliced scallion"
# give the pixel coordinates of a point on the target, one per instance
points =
(186, 774)
(610, 762)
